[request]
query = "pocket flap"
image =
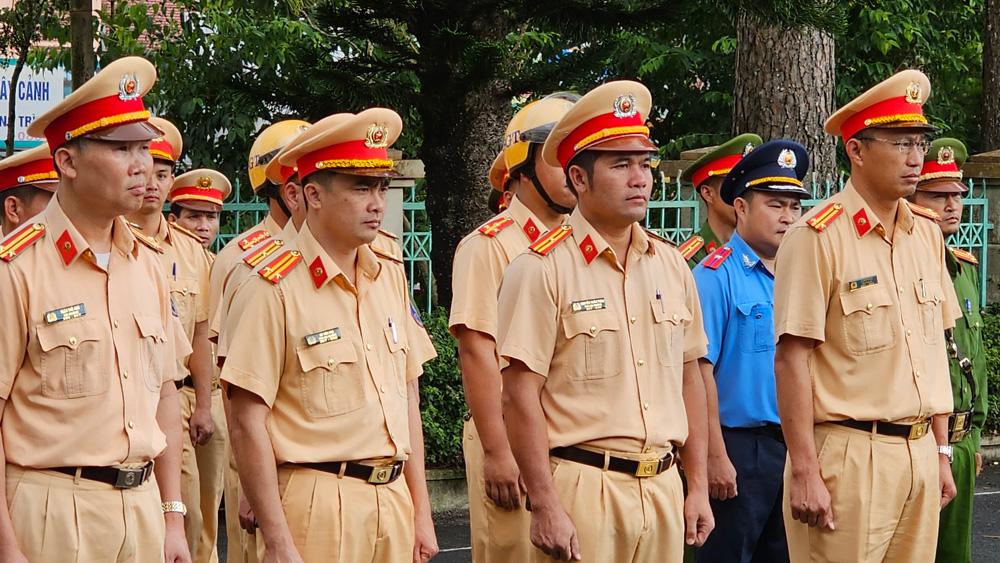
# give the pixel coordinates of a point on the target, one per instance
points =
(589, 322)
(67, 333)
(866, 300)
(400, 343)
(149, 326)
(673, 311)
(327, 355)
(183, 285)
(928, 291)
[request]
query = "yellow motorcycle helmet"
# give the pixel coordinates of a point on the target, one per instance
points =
(267, 145)
(532, 125)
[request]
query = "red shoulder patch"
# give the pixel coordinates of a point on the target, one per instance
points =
(493, 227)
(964, 255)
(822, 219)
(923, 211)
(716, 259)
(691, 246)
(280, 266)
(549, 240)
(14, 243)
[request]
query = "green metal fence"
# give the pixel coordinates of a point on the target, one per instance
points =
(674, 213)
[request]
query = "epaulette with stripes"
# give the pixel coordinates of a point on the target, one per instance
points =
(280, 266)
(388, 234)
(144, 238)
(822, 219)
(716, 258)
(964, 255)
(495, 226)
(923, 211)
(691, 246)
(383, 254)
(659, 237)
(253, 239)
(548, 241)
(262, 251)
(15, 243)
(191, 234)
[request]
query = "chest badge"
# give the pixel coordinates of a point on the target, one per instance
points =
(65, 313)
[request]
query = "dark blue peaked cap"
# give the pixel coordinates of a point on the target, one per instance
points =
(775, 166)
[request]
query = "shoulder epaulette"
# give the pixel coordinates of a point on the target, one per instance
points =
(659, 237)
(923, 211)
(495, 226)
(691, 246)
(253, 239)
(716, 258)
(280, 266)
(548, 241)
(14, 243)
(144, 238)
(388, 234)
(383, 254)
(262, 251)
(822, 219)
(191, 234)
(964, 255)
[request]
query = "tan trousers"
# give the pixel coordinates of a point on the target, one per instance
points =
(346, 520)
(620, 518)
(885, 495)
(497, 535)
(242, 546)
(65, 519)
(202, 470)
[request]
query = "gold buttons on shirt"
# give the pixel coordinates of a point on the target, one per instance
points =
(593, 330)
(901, 289)
(675, 317)
(72, 341)
(645, 406)
(368, 347)
(131, 424)
(641, 363)
(125, 374)
(382, 388)
(869, 306)
(330, 362)
(908, 332)
(918, 374)
(632, 320)
(116, 324)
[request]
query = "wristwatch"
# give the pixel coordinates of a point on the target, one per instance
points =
(174, 506)
(948, 451)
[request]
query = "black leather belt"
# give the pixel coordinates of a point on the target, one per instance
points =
(120, 477)
(376, 475)
(186, 382)
(959, 426)
(636, 468)
(908, 431)
(772, 431)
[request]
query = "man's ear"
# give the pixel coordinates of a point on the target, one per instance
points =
(172, 218)
(855, 151)
(65, 161)
(578, 178)
(311, 195)
(11, 209)
(707, 194)
(742, 207)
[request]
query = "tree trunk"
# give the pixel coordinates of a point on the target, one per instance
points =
(991, 77)
(462, 134)
(83, 58)
(784, 88)
(15, 77)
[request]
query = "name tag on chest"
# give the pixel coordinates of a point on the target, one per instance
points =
(589, 305)
(323, 337)
(65, 314)
(862, 283)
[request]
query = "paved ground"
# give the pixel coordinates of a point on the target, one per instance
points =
(453, 527)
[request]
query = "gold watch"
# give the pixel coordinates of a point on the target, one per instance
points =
(174, 506)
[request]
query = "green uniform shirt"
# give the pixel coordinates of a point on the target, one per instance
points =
(969, 337)
(711, 243)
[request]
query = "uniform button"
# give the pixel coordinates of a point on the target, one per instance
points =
(184, 291)
(368, 347)
(908, 332)
(593, 330)
(641, 363)
(632, 320)
(977, 324)
(918, 374)
(901, 289)
(330, 362)
(675, 317)
(645, 406)
(869, 306)
(966, 389)
(72, 341)
(131, 424)
(116, 324)
(382, 388)
(125, 374)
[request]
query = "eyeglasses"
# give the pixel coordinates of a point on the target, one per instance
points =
(904, 146)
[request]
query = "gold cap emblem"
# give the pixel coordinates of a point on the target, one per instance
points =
(128, 88)
(748, 149)
(913, 93)
(946, 155)
(377, 136)
(625, 106)
(204, 183)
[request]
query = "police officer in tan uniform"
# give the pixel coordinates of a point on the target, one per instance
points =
(862, 298)
(27, 180)
(88, 357)
(601, 326)
(321, 374)
(499, 523)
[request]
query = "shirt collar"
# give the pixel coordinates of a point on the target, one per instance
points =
(748, 258)
(270, 225)
(591, 244)
(529, 224)
(71, 245)
(864, 220)
(323, 269)
(708, 235)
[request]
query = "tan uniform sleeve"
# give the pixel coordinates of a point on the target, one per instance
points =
(13, 319)
(257, 355)
(802, 285)
(421, 347)
(475, 280)
(218, 274)
(182, 348)
(528, 314)
(950, 309)
(204, 297)
(695, 340)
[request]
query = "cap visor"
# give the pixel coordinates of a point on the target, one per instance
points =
(195, 205)
(138, 131)
(914, 125)
(943, 187)
(370, 172)
(627, 143)
(47, 185)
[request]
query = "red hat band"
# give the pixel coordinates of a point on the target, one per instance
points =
(34, 171)
(888, 113)
(161, 149)
(719, 167)
(92, 116)
(352, 154)
(597, 129)
(934, 171)
(188, 193)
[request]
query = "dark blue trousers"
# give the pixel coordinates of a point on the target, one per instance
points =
(750, 527)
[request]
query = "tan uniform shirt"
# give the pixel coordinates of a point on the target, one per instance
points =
(83, 383)
(480, 260)
(225, 262)
(323, 355)
(611, 342)
(877, 309)
(187, 266)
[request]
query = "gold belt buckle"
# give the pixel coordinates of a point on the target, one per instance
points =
(918, 430)
(648, 468)
(961, 419)
(381, 475)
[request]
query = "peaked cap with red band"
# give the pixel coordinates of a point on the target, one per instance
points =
(896, 102)
(107, 107)
(278, 173)
(611, 117)
(357, 144)
(942, 170)
(170, 145)
(202, 189)
(720, 160)
(33, 166)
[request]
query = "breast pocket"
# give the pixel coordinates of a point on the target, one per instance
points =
(868, 327)
(756, 325)
(332, 381)
(929, 298)
(184, 294)
(670, 319)
(594, 349)
(152, 350)
(397, 354)
(71, 363)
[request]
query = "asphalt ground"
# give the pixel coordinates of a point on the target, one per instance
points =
(453, 526)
